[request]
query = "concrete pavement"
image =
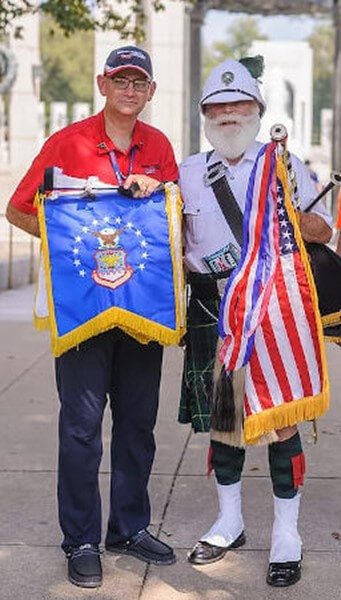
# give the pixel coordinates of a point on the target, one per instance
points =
(184, 501)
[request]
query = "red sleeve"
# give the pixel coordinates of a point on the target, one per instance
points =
(23, 197)
(169, 168)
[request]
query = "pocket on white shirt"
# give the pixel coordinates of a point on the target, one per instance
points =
(198, 221)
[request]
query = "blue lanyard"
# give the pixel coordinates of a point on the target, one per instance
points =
(119, 175)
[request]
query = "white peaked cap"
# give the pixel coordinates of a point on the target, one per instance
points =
(230, 81)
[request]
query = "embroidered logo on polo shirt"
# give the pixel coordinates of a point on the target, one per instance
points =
(150, 169)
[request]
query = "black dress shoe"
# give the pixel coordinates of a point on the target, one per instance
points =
(146, 547)
(84, 566)
(284, 574)
(205, 553)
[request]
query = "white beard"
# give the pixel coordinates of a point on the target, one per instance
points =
(231, 140)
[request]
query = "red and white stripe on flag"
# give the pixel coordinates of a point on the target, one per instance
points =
(277, 334)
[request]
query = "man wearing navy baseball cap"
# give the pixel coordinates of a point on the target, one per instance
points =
(129, 57)
(120, 150)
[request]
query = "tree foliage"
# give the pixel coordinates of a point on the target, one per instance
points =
(125, 16)
(322, 44)
(239, 38)
(68, 64)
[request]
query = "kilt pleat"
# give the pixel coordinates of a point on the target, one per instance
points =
(199, 361)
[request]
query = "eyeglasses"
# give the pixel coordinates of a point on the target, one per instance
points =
(123, 83)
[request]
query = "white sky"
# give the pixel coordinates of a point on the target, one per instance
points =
(276, 28)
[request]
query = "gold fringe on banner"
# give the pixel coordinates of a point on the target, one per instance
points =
(140, 328)
(303, 409)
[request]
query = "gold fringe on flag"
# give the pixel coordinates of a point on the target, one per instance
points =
(286, 415)
(303, 409)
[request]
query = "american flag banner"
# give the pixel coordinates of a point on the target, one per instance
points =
(269, 317)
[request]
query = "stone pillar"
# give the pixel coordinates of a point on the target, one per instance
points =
(194, 79)
(24, 96)
(287, 90)
(326, 130)
(105, 41)
(168, 43)
(337, 94)
(3, 134)
(41, 124)
(58, 116)
(80, 111)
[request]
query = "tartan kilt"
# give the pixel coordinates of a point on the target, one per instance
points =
(199, 360)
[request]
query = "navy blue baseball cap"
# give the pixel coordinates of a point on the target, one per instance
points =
(129, 57)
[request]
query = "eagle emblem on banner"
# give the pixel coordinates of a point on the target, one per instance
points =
(111, 268)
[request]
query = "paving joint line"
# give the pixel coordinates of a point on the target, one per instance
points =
(54, 471)
(306, 477)
(23, 373)
(186, 548)
(165, 508)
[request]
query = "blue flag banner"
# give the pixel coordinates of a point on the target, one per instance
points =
(110, 261)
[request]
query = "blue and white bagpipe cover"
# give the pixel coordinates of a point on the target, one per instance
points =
(110, 261)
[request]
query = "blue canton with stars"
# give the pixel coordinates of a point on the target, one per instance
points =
(287, 243)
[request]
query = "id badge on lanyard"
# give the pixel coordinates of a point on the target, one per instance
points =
(119, 175)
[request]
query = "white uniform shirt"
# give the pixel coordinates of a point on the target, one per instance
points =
(205, 228)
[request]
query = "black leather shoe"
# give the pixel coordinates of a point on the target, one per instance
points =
(146, 547)
(205, 553)
(84, 566)
(283, 574)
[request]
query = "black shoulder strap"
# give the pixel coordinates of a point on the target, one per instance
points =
(226, 200)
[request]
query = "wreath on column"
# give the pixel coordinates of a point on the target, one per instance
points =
(8, 69)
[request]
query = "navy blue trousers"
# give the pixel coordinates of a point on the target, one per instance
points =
(111, 365)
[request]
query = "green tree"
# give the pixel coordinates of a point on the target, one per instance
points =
(322, 43)
(239, 38)
(68, 64)
(80, 15)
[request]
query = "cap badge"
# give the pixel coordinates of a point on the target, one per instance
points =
(127, 55)
(227, 77)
